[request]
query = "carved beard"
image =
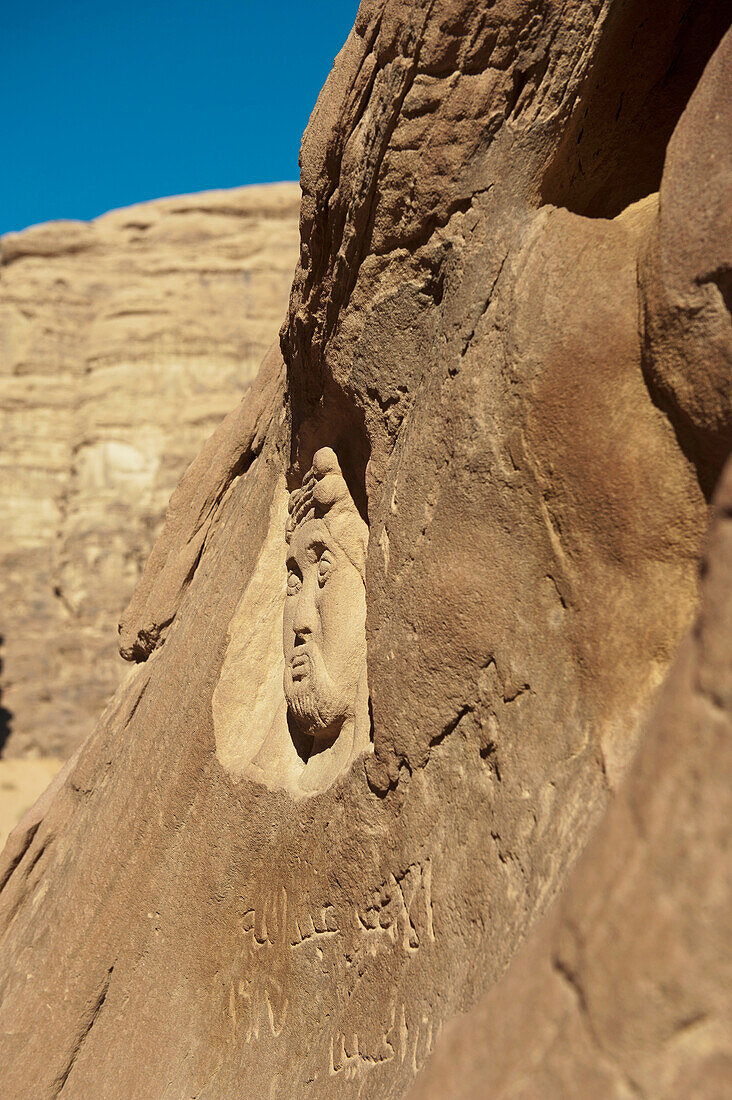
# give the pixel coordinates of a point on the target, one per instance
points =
(314, 702)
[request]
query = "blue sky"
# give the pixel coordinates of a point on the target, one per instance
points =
(103, 104)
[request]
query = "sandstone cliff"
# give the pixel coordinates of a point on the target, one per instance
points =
(122, 344)
(486, 361)
(625, 989)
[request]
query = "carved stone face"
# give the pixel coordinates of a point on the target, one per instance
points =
(324, 631)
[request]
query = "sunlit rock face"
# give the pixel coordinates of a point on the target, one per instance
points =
(122, 344)
(471, 351)
(624, 988)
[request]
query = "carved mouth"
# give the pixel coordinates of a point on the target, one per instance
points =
(300, 664)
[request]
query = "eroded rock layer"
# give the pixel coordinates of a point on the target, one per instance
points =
(625, 989)
(122, 344)
(472, 366)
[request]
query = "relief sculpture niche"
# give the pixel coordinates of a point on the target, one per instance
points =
(299, 720)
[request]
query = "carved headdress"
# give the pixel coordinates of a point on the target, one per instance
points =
(324, 495)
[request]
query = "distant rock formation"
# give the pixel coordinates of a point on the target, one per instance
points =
(508, 354)
(123, 342)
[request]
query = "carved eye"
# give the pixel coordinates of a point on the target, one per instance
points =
(326, 565)
(294, 582)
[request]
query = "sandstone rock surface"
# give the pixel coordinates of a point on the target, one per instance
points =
(625, 989)
(122, 344)
(467, 333)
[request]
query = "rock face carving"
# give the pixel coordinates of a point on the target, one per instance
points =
(324, 628)
(302, 723)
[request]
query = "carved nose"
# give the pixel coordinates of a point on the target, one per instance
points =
(303, 622)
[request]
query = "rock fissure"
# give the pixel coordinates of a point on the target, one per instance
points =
(84, 1034)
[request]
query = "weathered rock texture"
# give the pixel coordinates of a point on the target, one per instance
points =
(122, 344)
(474, 330)
(625, 990)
